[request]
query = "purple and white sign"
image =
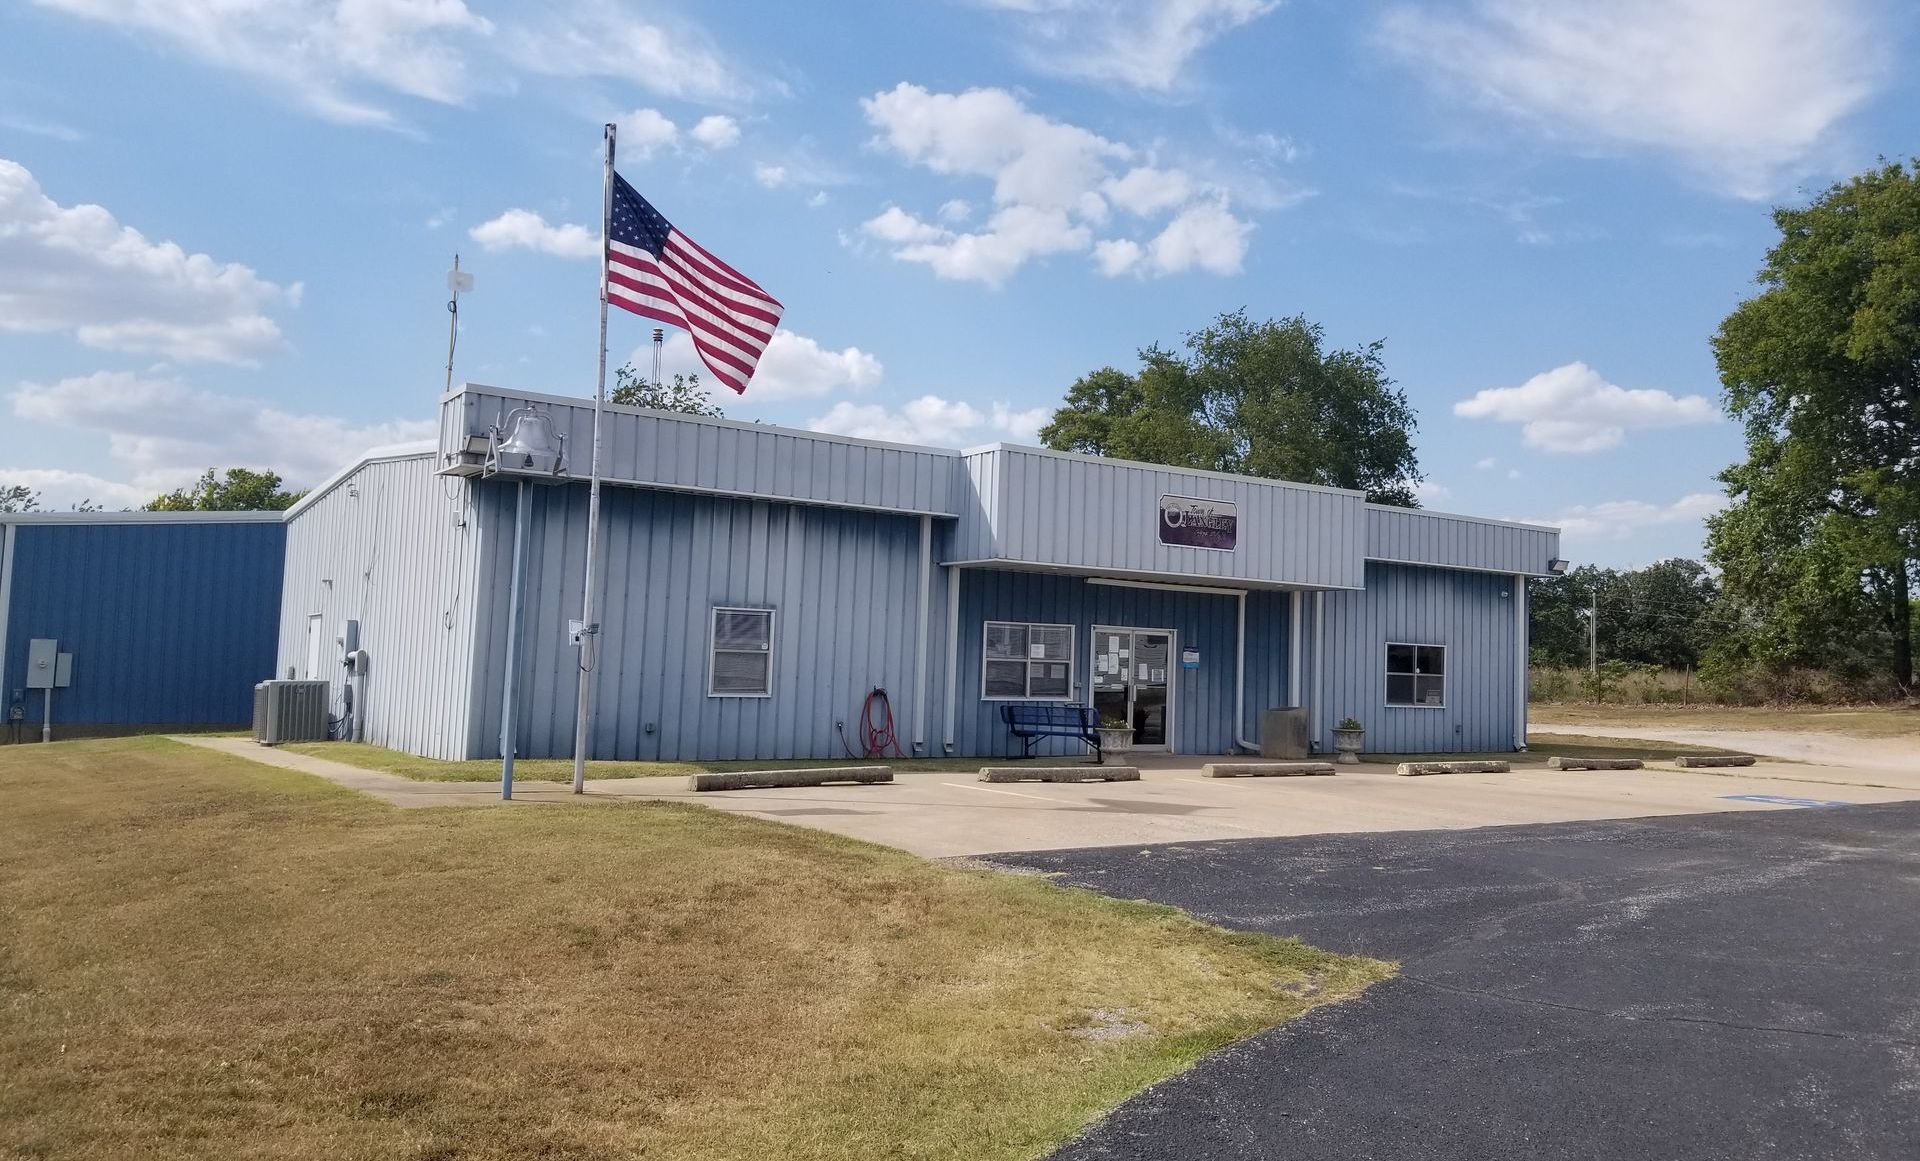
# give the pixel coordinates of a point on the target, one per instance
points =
(1195, 523)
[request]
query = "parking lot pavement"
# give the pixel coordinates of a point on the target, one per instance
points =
(1705, 986)
(941, 815)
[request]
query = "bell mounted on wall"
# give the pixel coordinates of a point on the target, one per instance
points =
(527, 443)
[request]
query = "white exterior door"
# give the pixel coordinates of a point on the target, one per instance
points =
(316, 649)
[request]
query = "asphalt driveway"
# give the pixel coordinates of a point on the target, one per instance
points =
(1706, 986)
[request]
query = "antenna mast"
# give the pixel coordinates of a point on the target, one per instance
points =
(659, 338)
(457, 281)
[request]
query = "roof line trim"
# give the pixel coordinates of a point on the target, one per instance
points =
(698, 420)
(1493, 520)
(418, 449)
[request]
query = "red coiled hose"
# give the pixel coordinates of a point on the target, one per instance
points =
(877, 734)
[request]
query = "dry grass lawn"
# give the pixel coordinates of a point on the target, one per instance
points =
(1865, 722)
(204, 957)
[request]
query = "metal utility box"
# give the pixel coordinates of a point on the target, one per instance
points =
(62, 670)
(1283, 733)
(290, 711)
(43, 663)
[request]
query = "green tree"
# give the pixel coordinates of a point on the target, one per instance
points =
(1821, 543)
(19, 498)
(684, 394)
(1258, 398)
(237, 490)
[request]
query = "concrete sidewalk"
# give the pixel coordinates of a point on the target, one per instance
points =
(944, 814)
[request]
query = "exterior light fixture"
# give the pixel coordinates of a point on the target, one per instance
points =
(1557, 567)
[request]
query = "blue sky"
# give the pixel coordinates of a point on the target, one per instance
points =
(224, 228)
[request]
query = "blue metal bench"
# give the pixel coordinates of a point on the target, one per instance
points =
(1031, 721)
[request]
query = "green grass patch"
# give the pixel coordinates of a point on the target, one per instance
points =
(201, 956)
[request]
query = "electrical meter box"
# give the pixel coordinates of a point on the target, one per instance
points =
(43, 662)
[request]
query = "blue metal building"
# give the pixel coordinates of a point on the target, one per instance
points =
(758, 582)
(170, 617)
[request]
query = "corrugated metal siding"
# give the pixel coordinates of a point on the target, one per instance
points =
(1414, 536)
(1083, 513)
(844, 586)
(168, 623)
(974, 534)
(1203, 697)
(720, 456)
(1470, 613)
(393, 547)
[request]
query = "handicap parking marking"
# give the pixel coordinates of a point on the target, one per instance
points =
(1787, 800)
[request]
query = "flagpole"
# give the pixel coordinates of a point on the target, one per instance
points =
(589, 627)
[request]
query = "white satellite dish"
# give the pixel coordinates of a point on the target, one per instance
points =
(459, 281)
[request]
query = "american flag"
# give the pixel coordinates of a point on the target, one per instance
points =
(657, 272)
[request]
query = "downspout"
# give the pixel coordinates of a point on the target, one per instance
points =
(510, 694)
(1295, 636)
(1240, 683)
(1519, 662)
(953, 651)
(6, 592)
(1319, 665)
(920, 637)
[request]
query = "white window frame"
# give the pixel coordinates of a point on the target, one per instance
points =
(713, 652)
(1071, 660)
(1445, 675)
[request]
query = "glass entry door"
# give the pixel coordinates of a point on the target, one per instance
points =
(1132, 681)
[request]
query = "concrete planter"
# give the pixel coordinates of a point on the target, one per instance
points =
(1346, 744)
(1114, 742)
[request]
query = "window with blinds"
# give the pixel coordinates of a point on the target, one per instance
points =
(1026, 662)
(742, 661)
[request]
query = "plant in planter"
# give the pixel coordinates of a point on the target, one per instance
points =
(1347, 738)
(1116, 736)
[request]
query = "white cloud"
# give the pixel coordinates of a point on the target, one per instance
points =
(75, 269)
(165, 432)
(898, 226)
(645, 132)
(1116, 256)
(1143, 44)
(1572, 409)
(932, 420)
(1621, 519)
(1052, 186)
(1019, 426)
(771, 176)
(1204, 235)
(1146, 190)
(1013, 236)
(792, 367)
(1487, 464)
(716, 131)
(604, 38)
(38, 128)
(341, 59)
(817, 199)
(1431, 492)
(1746, 93)
(326, 54)
(1033, 160)
(61, 489)
(526, 230)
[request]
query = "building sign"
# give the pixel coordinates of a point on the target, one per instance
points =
(1194, 523)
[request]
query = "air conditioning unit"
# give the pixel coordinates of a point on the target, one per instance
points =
(290, 711)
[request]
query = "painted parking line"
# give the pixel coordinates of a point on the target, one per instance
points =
(1787, 800)
(991, 790)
